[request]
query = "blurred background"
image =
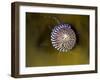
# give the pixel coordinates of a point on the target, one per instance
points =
(39, 50)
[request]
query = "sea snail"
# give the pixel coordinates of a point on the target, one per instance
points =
(63, 37)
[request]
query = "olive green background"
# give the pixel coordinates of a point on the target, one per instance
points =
(39, 50)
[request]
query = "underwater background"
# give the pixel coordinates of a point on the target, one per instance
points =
(39, 49)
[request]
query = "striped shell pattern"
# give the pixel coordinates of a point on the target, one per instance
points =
(63, 37)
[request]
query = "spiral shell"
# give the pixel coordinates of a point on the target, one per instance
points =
(63, 37)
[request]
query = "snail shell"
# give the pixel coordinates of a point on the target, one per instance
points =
(63, 37)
